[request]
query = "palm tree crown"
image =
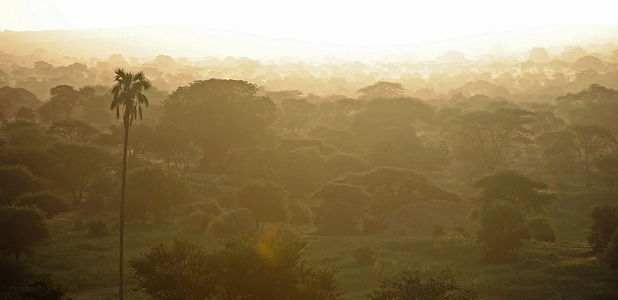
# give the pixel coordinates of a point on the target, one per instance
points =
(128, 94)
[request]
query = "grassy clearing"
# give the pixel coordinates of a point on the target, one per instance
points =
(564, 270)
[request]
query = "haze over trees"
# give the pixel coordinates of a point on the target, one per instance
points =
(298, 179)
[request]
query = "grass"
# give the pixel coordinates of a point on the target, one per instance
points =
(564, 270)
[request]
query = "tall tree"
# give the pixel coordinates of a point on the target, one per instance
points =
(128, 97)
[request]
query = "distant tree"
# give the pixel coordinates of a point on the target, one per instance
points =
(516, 188)
(382, 89)
(154, 193)
(538, 55)
(604, 224)
(17, 180)
(341, 208)
(540, 229)
(295, 114)
(234, 223)
(220, 114)
(484, 137)
(73, 131)
(391, 189)
(25, 113)
(267, 202)
(413, 286)
(608, 170)
(77, 167)
(63, 100)
(36, 160)
(588, 142)
(204, 212)
(501, 231)
(47, 201)
(21, 228)
(128, 96)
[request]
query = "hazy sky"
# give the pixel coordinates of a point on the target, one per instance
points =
(317, 21)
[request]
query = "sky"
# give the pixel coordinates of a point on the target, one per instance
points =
(337, 22)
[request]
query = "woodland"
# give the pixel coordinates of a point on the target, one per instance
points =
(493, 177)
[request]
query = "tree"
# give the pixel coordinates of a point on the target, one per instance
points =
(47, 201)
(340, 209)
(484, 137)
(610, 255)
(220, 114)
(382, 89)
(152, 192)
(588, 142)
(501, 231)
(410, 285)
(604, 224)
(267, 202)
(63, 100)
(73, 131)
(21, 228)
(78, 166)
(16, 180)
(391, 189)
(128, 96)
(25, 113)
(516, 188)
(608, 170)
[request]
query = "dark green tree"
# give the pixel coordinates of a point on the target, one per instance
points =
(267, 202)
(129, 97)
(16, 180)
(220, 114)
(501, 231)
(513, 187)
(604, 224)
(154, 193)
(21, 228)
(47, 201)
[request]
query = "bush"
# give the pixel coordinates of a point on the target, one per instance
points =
(21, 228)
(604, 223)
(266, 267)
(610, 256)
(203, 214)
(411, 285)
(501, 232)
(364, 255)
(97, 228)
(47, 201)
(540, 229)
(43, 288)
(238, 222)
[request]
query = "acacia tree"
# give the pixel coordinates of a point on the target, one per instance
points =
(483, 137)
(128, 96)
(21, 228)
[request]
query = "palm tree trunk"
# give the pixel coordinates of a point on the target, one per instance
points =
(122, 192)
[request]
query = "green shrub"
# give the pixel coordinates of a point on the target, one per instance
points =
(540, 229)
(267, 267)
(47, 201)
(44, 289)
(238, 222)
(604, 223)
(413, 286)
(501, 232)
(610, 255)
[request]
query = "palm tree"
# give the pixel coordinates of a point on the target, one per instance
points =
(128, 96)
